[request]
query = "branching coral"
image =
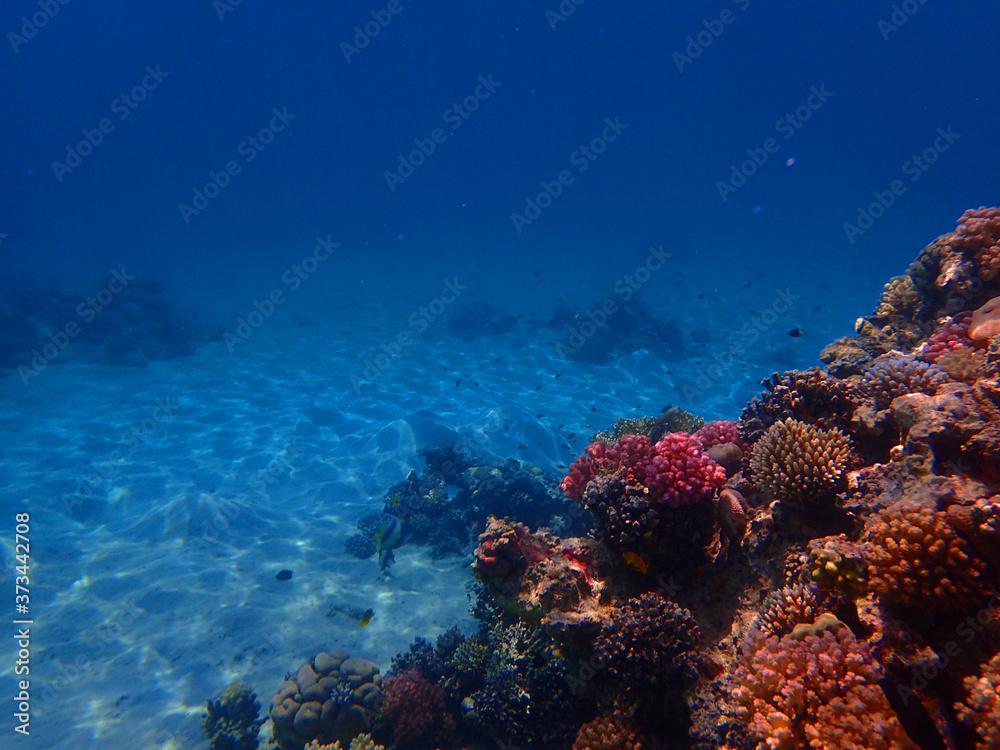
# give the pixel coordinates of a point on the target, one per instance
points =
(231, 722)
(807, 395)
(816, 688)
(917, 559)
(892, 375)
(787, 607)
(981, 708)
(650, 640)
(416, 711)
(614, 732)
(799, 462)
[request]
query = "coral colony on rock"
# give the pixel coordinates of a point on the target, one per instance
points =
(823, 572)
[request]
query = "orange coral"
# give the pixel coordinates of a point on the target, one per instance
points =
(981, 709)
(916, 558)
(607, 733)
(817, 688)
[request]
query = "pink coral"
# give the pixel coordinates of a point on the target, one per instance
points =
(720, 432)
(676, 470)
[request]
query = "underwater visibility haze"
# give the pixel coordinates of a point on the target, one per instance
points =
(434, 376)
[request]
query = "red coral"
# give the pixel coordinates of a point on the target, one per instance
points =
(416, 710)
(675, 470)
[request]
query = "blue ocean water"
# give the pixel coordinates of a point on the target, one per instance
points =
(255, 256)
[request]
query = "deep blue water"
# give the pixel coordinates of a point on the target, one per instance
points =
(226, 67)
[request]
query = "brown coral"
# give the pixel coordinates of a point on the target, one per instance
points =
(818, 689)
(808, 395)
(614, 732)
(964, 363)
(916, 558)
(981, 708)
(795, 461)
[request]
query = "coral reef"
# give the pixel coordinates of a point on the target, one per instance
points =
(817, 687)
(560, 583)
(892, 375)
(230, 722)
(333, 697)
(416, 711)
(857, 610)
(799, 463)
(810, 396)
(650, 640)
(916, 558)
(614, 732)
(981, 707)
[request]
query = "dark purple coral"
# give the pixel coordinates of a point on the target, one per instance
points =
(651, 640)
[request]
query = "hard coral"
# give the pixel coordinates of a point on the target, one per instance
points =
(951, 334)
(894, 375)
(985, 322)
(799, 462)
(675, 470)
(808, 395)
(787, 607)
(650, 640)
(719, 432)
(978, 232)
(329, 698)
(917, 559)
(231, 722)
(981, 707)
(817, 688)
(614, 732)
(417, 712)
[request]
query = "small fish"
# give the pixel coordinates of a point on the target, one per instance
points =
(389, 534)
(635, 561)
(366, 617)
(795, 333)
(284, 575)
